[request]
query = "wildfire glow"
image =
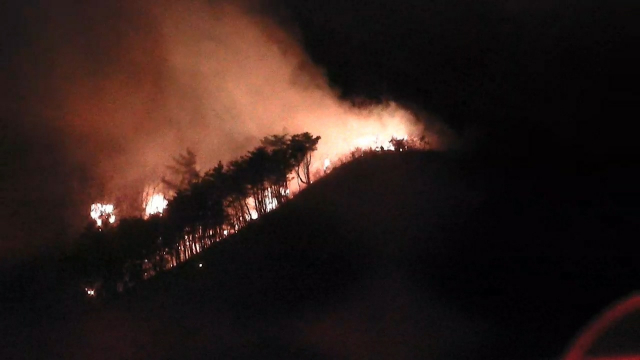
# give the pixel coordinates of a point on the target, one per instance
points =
(327, 163)
(155, 204)
(377, 142)
(100, 212)
(370, 129)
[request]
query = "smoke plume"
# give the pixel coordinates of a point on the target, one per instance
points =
(117, 88)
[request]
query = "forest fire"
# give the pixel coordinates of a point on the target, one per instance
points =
(101, 212)
(242, 103)
(266, 91)
(206, 204)
(155, 204)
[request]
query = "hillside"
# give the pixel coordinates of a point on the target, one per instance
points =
(397, 256)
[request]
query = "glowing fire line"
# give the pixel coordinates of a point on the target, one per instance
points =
(156, 203)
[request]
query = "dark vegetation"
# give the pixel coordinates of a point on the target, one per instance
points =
(397, 256)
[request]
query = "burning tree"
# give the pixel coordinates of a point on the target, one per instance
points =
(153, 201)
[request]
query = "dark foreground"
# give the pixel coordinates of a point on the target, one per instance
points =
(402, 256)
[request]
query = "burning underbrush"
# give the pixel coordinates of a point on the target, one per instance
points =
(102, 213)
(206, 207)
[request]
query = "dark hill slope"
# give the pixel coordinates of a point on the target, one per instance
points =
(398, 256)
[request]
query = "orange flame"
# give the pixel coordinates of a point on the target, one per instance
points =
(155, 204)
(100, 212)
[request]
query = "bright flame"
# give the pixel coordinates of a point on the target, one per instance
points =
(155, 204)
(376, 142)
(90, 292)
(100, 212)
(367, 142)
(327, 163)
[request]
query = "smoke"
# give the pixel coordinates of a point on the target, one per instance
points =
(120, 87)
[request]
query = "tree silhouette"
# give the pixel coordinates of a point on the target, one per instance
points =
(184, 171)
(238, 192)
(275, 141)
(399, 144)
(215, 193)
(280, 165)
(301, 146)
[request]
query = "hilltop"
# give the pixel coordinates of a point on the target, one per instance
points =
(394, 256)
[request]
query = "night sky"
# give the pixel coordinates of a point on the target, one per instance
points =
(562, 67)
(513, 78)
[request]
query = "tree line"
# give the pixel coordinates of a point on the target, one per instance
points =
(206, 207)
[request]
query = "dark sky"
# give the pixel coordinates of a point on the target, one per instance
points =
(562, 66)
(512, 77)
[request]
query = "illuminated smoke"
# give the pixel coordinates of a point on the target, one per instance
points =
(212, 76)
